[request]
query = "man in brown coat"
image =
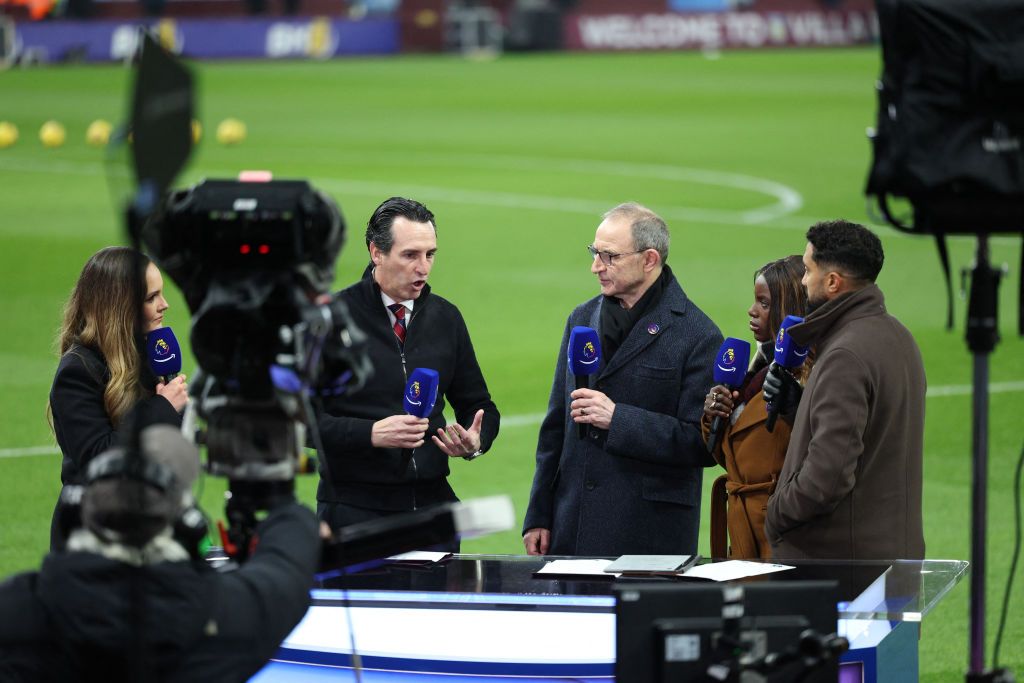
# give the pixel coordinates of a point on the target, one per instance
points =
(851, 484)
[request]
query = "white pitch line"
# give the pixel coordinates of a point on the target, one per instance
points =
(933, 392)
(531, 419)
(515, 200)
(786, 199)
(967, 389)
(31, 450)
(778, 216)
(513, 421)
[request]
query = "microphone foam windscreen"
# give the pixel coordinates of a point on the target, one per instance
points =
(421, 392)
(788, 353)
(163, 352)
(584, 351)
(732, 361)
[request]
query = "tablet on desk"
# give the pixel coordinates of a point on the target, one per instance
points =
(652, 564)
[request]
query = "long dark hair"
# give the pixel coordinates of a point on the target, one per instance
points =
(788, 295)
(104, 312)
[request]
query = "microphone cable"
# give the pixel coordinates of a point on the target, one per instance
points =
(1016, 556)
(346, 603)
(357, 661)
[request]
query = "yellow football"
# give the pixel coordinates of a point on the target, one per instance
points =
(231, 132)
(52, 134)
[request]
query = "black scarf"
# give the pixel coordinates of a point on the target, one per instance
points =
(617, 322)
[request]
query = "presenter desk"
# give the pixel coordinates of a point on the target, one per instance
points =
(475, 618)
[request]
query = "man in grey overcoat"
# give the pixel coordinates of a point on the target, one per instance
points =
(632, 485)
(850, 487)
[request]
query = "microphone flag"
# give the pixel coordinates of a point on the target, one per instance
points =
(584, 360)
(788, 354)
(418, 401)
(421, 392)
(732, 362)
(164, 353)
(730, 368)
(584, 351)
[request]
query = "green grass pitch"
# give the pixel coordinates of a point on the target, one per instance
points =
(518, 157)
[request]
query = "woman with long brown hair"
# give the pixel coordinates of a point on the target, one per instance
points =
(102, 372)
(751, 455)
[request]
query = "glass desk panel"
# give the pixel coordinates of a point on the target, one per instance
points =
(897, 590)
(479, 618)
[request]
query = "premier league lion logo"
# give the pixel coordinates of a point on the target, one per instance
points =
(589, 352)
(727, 362)
(161, 348)
(779, 340)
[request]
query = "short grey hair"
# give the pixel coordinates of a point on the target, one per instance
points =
(648, 228)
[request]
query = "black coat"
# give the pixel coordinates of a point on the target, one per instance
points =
(635, 488)
(83, 617)
(437, 338)
(80, 419)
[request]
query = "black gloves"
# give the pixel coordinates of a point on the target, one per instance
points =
(782, 392)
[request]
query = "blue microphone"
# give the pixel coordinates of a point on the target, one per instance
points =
(730, 368)
(789, 355)
(419, 399)
(421, 392)
(584, 360)
(164, 354)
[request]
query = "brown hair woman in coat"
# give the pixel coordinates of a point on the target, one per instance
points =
(751, 455)
(103, 373)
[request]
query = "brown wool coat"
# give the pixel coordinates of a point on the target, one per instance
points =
(850, 487)
(752, 457)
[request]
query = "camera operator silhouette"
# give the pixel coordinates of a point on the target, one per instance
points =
(130, 599)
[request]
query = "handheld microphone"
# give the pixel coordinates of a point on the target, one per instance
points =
(164, 354)
(730, 369)
(789, 355)
(584, 360)
(419, 399)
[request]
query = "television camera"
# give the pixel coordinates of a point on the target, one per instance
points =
(255, 262)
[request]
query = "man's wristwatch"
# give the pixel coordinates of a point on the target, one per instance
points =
(473, 456)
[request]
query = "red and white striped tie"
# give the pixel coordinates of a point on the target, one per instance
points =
(399, 312)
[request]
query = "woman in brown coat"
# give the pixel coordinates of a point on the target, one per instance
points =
(751, 455)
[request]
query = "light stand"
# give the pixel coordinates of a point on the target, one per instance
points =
(941, 144)
(942, 216)
(982, 337)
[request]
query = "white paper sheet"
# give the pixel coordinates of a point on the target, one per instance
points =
(576, 568)
(419, 556)
(733, 569)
